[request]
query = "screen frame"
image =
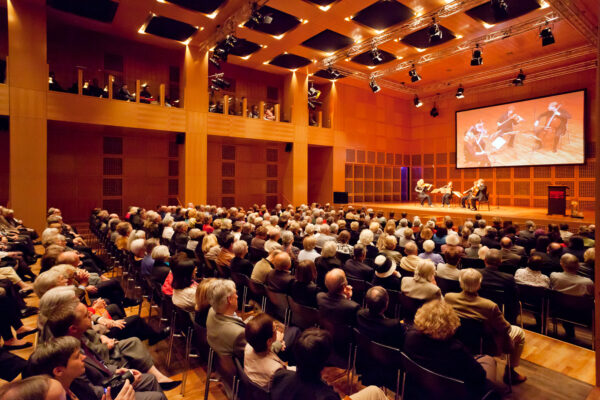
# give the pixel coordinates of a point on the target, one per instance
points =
(585, 128)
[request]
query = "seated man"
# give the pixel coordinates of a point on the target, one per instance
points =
(372, 322)
(312, 351)
(468, 305)
(355, 266)
(411, 260)
(495, 280)
(40, 387)
(63, 360)
(279, 279)
(475, 244)
(265, 265)
(568, 281)
(449, 269)
(508, 253)
(61, 314)
(336, 304)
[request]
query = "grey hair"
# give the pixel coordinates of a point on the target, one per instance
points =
(46, 281)
(160, 252)
(239, 248)
(404, 222)
(58, 300)
(428, 245)
(287, 237)
(329, 249)
(194, 233)
(219, 292)
(366, 237)
(474, 239)
(452, 239)
(137, 245)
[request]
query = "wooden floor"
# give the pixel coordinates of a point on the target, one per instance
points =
(517, 215)
(555, 369)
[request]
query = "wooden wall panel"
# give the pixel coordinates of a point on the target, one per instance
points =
(4, 165)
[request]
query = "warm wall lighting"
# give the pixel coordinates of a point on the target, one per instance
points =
(186, 42)
(161, 1)
(379, 31)
(347, 18)
(459, 36)
(371, 66)
(265, 62)
(246, 57)
(279, 37)
(213, 15)
(487, 26)
(304, 21)
(325, 8)
(544, 4)
(420, 50)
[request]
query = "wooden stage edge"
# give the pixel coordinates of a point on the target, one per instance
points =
(517, 215)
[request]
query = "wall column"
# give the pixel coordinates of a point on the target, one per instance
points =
(28, 87)
(596, 127)
(196, 134)
(295, 189)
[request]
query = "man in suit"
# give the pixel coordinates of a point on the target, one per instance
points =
(63, 315)
(372, 322)
(527, 233)
(491, 239)
(507, 252)
(509, 339)
(494, 280)
(279, 279)
(355, 266)
(225, 330)
(482, 194)
(265, 265)
(336, 305)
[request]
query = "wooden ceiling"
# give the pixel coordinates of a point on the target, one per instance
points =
(515, 50)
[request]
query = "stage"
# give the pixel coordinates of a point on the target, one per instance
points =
(517, 215)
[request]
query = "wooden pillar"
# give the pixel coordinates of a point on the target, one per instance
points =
(111, 81)
(79, 81)
(138, 87)
(28, 88)
(320, 119)
(334, 111)
(244, 107)
(226, 104)
(196, 107)
(161, 94)
(261, 110)
(596, 127)
(295, 186)
(277, 112)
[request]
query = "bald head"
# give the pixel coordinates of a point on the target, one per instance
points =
(335, 281)
(69, 257)
(282, 261)
(554, 249)
(506, 243)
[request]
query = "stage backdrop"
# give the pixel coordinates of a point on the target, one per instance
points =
(542, 131)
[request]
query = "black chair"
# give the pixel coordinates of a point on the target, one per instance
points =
(225, 367)
(246, 389)
(533, 299)
(495, 295)
(433, 386)
(277, 305)
(259, 292)
(393, 310)
(302, 316)
(409, 307)
(576, 310)
(468, 262)
(241, 283)
(343, 343)
(471, 334)
(343, 257)
(359, 289)
(509, 268)
(379, 364)
(447, 285)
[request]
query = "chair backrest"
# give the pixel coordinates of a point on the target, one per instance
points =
(393, 310)
(447, 285)
(257, 288)
(471, 334)
(576, 309)
(248, 390)
(495, 295)
(240, 279)
(277, 305)
(508, 268)
(255, 254)
(342, 335)
(225, 367)
(224, 271)
(409, 307)
(359, 289)
(431, 385)
(303, 316)
(532, 297)
(468, 262)
(378, 354)
(343, 257)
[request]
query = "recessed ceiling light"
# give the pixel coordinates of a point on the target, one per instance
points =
(142, 29)
(213, 15)
(487, 26)
(161, 1)
(544, 4)
(304, 21)
(347, 59)
(265, 62)
(371, 66)
(325, 8)
(246, 57)
(459, 36)
(279, 37)
(379, 32)
(347, 18)
(185, 43)
(241, 25)
(420, 50)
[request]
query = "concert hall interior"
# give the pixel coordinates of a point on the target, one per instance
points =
(304, 117)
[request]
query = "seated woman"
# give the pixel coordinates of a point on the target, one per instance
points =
(386, 274)
(184, 286)
(210, 247)
(161, 267)
(260, 362)
(389, 248)
(287, 242)
(343, 245)
(123, 229)
(202, 303)
(428, 254)
(422, 286)
(431, 344)
(532, 274)
(308, 253)
(327, 262)
(304, 289)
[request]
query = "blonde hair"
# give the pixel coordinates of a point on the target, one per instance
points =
(426, 233)
(425, 270)
(202, 301)
(437, 320)
(309, 243)
(390, 242)
(209, 242)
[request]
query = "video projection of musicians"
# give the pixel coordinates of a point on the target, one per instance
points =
(542, 131)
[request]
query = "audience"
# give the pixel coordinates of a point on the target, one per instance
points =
(279, 279)
(304, 289)
(372, 322)
(532, 274)
(422, 285)
(428, 254)
(411, 260)
(355, 267)
(337, 305)
(449, 269)
(386, 274)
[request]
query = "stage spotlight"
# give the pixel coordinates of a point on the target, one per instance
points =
(547, 36)
(476, 58)
(214, 88)
(374, 86)
(313, 93)
(417, 102)
(414, 76)
(230, 42)
(334, 73)
(460, 92)
(500, 9)
(259, 18)
(376, 56)
(434, 111)
(214, 60)
(518, 81)
(435, 33)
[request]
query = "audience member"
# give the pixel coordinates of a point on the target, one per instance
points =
(532, 274)
(422, 285)
(308, 252)
(327, 261)
(372, 322)
(264, 266)
(411, 260)
(239, 263)
(336, 305)
(304, 289)
(279, 279)
(428, 254)
(355, 267)
(386, 274)
(449, 269)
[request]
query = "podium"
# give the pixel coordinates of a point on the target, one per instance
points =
(557, 199)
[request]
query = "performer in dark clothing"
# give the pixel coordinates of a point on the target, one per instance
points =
(479, 194)
(555, 119)
(422, 189)
(506, 124)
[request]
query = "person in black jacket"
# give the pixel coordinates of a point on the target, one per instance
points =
(431, 344)
(304, 289)
(386, 274)
(336, 304)
(490, 239)
(239, 263)
(494, 280)
(355, 266)
(372, 322)
(279, 279)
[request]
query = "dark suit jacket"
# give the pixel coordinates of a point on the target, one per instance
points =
(358, 270)
(337, 308)
(287, 385)
(510, 257)
(280, 281)
(242, 266)
(496, 280)
(324, 265)
(305, 294)
(490, 242)
(380, 329)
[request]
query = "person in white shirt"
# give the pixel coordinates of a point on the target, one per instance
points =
(569, 282)
(532, 274)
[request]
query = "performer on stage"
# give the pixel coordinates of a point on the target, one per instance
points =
(447, 190)
(506, 125)
(467, 194)
(474, 146)
(422, 189)
(555, 119)
(479, 193)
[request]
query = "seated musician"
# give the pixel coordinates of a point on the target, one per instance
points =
(474, 147)
(447, 190)
(479, 194)
(556, 119)
(506, 124)
(421, 189)
(467, 194)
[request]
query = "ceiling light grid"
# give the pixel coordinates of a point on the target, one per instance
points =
(402, 30)
(468, 45)
(569, 11)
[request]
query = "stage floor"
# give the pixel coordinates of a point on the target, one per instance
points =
(517, 215)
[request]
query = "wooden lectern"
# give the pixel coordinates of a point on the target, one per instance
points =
(557, 199)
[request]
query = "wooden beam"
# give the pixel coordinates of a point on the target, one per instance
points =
(226, 104)
(161, 93)
(79, 81)
(244, 107)
(138, 87)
